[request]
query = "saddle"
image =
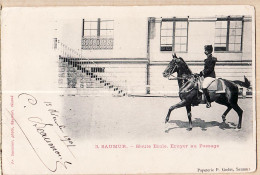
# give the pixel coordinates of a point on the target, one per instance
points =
(218, 86)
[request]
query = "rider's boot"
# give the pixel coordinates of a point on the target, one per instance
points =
(206, 93)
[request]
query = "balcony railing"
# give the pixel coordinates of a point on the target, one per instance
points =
(97, 43)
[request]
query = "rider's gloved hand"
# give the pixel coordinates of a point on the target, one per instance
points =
(196, 75)
(201, 73)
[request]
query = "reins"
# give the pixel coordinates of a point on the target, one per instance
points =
(183, 78)
(178, 78)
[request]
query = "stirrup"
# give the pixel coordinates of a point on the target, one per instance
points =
(208, 105)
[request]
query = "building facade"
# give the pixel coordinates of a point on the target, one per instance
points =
(137, 50)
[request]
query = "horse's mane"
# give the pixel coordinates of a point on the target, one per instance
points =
(185, 66)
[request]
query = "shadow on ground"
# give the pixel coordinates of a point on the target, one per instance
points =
(198, 123)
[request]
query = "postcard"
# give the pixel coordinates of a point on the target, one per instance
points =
(128, 90)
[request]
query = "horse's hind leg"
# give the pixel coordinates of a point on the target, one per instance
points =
(223, 101)
(240, 113)
(178, 105)
(188, 108)
(225, 113)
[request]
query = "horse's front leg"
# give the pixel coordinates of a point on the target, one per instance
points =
(188, 108)
(178, 105)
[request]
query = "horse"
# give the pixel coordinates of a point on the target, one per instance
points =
(190, 94)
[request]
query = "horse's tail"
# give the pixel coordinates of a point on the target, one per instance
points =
(245, 84)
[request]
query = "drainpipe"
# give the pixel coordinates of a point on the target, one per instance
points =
(150, 35)
(148, 57)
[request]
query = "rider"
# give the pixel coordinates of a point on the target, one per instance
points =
(208, 73)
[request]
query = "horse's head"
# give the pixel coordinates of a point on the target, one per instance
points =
(172, 67)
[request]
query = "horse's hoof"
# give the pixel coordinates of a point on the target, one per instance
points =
(166, 120)
(238, 127)
(189, 129)
(223, 118)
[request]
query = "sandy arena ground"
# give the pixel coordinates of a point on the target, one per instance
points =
(143, 118)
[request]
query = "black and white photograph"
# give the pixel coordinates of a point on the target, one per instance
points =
(127, 90)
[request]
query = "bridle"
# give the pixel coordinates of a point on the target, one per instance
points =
(176, 78)
(184, 77)
(171, 75)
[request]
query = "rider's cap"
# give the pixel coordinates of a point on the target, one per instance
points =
(208, 48)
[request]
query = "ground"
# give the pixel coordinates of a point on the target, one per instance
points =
(144, 118)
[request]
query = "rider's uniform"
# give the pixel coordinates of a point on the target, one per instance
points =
(209, 72)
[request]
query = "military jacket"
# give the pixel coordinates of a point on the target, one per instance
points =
(209, 66)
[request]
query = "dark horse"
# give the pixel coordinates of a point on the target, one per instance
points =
(191, 96)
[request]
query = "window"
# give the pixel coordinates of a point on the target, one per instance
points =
(229, 34)
(97, 34)
(174, 34)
